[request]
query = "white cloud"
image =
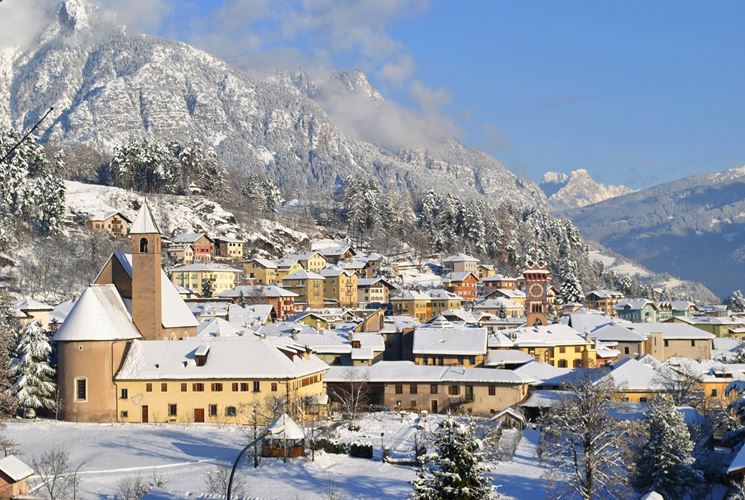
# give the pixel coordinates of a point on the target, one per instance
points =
(21, 21)
(138, 15)
(398, 71)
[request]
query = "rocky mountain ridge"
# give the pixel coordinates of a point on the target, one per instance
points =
(577, 189)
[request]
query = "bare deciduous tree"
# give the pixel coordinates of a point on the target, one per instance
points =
(683, 385)
(352, 396)
(55, 470)
(217, 480)
(583, 444)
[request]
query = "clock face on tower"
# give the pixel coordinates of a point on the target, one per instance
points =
(536, 290)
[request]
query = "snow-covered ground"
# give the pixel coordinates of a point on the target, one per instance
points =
(182, 455)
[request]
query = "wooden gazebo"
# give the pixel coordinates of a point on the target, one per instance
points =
(285, 438)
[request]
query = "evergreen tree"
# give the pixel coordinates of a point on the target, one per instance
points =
(571, 289)
(8, 340)
(665, 464)
(32, 377)
(262, 193)
(736, 301)
(207, 287)
(456, 469)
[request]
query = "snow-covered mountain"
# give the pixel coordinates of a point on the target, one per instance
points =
(693, 228)
(107, 86)
(577, 189)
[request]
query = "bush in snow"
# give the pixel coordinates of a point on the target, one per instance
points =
(665, 463)
(331, 446)
(32, 377)
(218, 478)
(361, 450)
(456, 469)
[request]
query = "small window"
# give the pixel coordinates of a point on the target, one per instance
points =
(217, 387)
(274, 386)
(244, 386)
(413, 389)
(693, 343)
(81, 389)
(562, 349)
(577, 348)
(143, 245)
(577, 363)
(163, 387)
(625, 350)
(234, 386)
(124, 394)
(148, 387)
(667, 343)
(183, 387)
(257, 386)
(714, 393)
(399, 389)
(562, 363)
(642, 399)
(124, 414)
(412, 403)
(213, 410)
(492, 390)
(433, 389)
(454, 390)
(172, 410)
(197, 387)
(230, 411)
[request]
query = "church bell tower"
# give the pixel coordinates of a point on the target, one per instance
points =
(536, 291)
(146, 275)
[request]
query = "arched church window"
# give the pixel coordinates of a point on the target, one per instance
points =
(143, 245)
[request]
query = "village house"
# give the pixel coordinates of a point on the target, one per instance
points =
(28, 310)
(500, 307)
(261, 271)
(192, 276)
(14, 476)
(413, 303)
(637, 310)
(720, 326)
(448, 345)
(343, 348)
(333, 251)
(636, 381)
(462, 283)
(558, 345)
(283, 301)
(308, 286)
(491, 283)
(603, 300)
(114, 223)
(443, 300)
(373, 291)
(684, 309)
(512, 294)
(214, 380)
(181, 253)
(675, 340)
(628, 343)
(355, 265)
(436, 389)
(310, 261)
(203, 245)
(460, 263)
(339, 287)
(664, 311)
(286, 266)
(229, 247)
(485, 271)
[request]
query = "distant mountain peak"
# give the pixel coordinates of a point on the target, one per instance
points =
(577, 189)
(74, 14)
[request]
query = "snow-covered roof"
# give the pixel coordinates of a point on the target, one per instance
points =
(407, 371)
(502, 357)
(497, 277)
(287, 328)
(365, 282)
(496, 303)
(453, 341)
(544, 398)
(604, 294)
(265, 263)
(61, 310)
(246, 357)
(210, 267)
(458, 277)
(189, 237)
(633, 375)
(442, 294)
(412, 295)
(334, 271)
(99, 314)
(616, 333)
(249, 315)
(174, 311)
(507, 292)
(671, 331)
(459, 315)
(285, 428)
(545, 335)
(634, 304)
(16, 470)
(102, 216)
(303, 275)
(29, 304)
(499, 339)
(218, 327)
(460, 257)
(541, 372)
(144, 222)
(300, 255)
(683, 305)
(585, 321)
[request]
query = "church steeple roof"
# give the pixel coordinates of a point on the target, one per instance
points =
(144, 222)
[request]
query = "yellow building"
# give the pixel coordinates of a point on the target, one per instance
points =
(485, 271)
(675, 340)
(262, 271)
(637, 381)
(373, 291)
(114, 223)
(229, 247)
(443, 300)
(721, 326)
(285, 267)
(310, 261)
(413, 303)
(192, 276)
(339, 286)
(603, 300)
(557, 344)
(308, 286)
(217, 381)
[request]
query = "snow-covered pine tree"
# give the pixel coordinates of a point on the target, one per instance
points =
(570, 290)
(8, 329)
(665, 464)
(736, 301)
(207, 288)
(32, 377)
(456, 468)
(50, 199)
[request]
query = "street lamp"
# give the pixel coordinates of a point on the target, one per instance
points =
(382, 446)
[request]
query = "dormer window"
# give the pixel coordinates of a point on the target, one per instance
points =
(200, 356)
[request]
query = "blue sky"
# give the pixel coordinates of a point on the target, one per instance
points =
(637, 92)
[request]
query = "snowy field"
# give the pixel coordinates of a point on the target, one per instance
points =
(182, 455)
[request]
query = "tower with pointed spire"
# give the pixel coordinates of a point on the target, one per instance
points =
(146, 275)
